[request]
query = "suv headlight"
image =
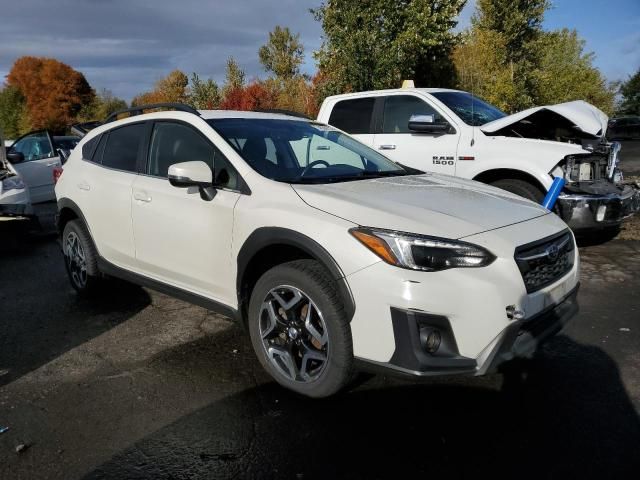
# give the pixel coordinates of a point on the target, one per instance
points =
(12, 183)
(420, 252)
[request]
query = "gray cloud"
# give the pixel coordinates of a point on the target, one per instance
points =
(127, 45)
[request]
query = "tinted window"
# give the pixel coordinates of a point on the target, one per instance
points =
(353, 116)
(398, 110)
(175, 143)
(90, 147)
(34, 147)
(121, 151)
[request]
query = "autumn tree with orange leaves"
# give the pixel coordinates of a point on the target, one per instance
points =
(53, 92)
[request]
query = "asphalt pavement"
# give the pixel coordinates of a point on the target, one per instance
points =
(137, 385)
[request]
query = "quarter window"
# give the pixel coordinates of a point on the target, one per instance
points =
(398, 110)
(121, 149)
(353, 116)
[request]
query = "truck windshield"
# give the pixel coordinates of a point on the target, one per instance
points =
(470, 109)
(295, 151)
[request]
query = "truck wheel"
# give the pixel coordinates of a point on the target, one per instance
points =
(80, 258)
(299, 329)
(521, 188)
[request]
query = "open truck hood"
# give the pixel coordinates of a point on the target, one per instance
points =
(583, 117)
(427, 204)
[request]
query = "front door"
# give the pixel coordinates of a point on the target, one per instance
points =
(434, 152)
(37, 168)
(181, 239)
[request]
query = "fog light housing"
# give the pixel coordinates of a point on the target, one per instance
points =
(600, 213)
(432, 341)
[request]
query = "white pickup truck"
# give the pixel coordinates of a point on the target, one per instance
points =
(455, 133)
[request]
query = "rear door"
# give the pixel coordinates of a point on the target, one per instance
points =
(181, 239)
(104, 184)
(434, 152)
(40, 158)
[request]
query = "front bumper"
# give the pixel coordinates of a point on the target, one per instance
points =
(519, 340)
(589, 212)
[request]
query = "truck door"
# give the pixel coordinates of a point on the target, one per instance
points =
(355, 116)
(434, 152)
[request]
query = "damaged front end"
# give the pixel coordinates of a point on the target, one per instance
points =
(595, 195)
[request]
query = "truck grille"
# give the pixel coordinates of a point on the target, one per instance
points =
(543, 262)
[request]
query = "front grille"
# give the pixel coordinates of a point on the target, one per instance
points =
(543, 262)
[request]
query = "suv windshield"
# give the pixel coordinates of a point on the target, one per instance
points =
(470, 109)
(302, 152)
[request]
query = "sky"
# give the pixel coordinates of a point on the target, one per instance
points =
(127, 45)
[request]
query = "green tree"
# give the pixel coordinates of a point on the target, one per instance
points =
(12, 112)
(630, 92)
(282, 54)
(234, 77)
(103, 105)
(203, 94)
(377, 43)
(567, 72)
(507, 34)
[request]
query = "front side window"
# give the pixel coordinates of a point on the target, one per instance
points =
(470, 109)
(34, 147)
(176, 143)
(304, 152)
(121, 148)
(398, 109)
(353, 116)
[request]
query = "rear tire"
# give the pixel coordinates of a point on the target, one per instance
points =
(299, 329)
(520, 187)
(80, 258)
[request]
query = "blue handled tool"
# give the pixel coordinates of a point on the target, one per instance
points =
(553, 193)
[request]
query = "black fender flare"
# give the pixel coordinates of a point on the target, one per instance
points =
(265, 236)
(73, 206)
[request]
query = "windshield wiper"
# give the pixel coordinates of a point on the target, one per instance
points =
(363, 175)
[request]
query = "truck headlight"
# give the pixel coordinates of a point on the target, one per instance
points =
(420, 252)
(12, 183)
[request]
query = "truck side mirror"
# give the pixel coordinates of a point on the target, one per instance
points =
(428, 124)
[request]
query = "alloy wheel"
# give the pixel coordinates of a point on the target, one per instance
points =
(294, 334)
(76, 260)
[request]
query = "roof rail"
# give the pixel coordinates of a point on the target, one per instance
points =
(291, 113)
(139, 109)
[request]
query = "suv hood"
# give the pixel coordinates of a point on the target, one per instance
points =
(583, 116)
(427, 204)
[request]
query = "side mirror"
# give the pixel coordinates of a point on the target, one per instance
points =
(427, 124)
(193, 174)
(15, 157)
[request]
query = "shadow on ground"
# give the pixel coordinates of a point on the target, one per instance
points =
(42, 316)
(567, 417)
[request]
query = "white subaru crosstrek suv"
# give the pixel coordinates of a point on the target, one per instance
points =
(334, 257)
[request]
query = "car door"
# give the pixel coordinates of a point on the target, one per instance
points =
(103, 180)
(355, 116)
(40, 159)
(181, 239)
(434, 152)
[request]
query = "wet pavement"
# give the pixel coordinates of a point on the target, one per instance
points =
(139, 385)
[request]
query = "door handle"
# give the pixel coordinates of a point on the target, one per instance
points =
(142, 197)
(84, 186)
(389, 146)
(52, 164)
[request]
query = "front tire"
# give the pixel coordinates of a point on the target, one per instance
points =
(521, 188)
(80, 258)
(299, 329)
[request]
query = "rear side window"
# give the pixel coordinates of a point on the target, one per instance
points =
(353, 116)
(121, 149)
